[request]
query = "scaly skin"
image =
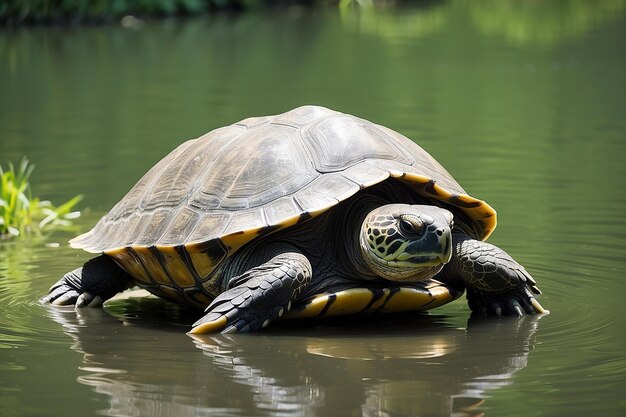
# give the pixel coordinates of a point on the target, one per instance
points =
(258, 296)
(92, 284)
(495, 282)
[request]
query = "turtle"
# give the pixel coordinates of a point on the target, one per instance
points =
(308, 213)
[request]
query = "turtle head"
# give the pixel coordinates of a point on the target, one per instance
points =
(402, 242)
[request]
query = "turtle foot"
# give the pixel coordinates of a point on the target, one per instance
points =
(63, 294)
(517, 302)
(238, 313)
(261, 295)
(89, 286)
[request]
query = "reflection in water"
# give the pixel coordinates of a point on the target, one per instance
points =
(373, 368)
(393, 25)
(524, 23)
(542, 23)
(18, 275)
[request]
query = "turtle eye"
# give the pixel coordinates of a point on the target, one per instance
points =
(409, 228)
(406, 226)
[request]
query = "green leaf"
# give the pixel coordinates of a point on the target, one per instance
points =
(20, 212)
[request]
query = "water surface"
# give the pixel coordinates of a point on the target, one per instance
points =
(523, 104)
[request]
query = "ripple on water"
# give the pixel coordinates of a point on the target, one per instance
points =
(23, 280)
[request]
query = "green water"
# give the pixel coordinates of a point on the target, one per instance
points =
(524, 103)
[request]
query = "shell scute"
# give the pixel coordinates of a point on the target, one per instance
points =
(246, 220)
(365, 174)
(253, 173)
(211, 224)
(155, 226)
(314, 201)
(339, 141)
(281, 210)
(335, 185)
(302, 116)
(184, 221)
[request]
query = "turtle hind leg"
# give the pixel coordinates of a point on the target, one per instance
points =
(96, 281)
(496, 284)
(258, 296)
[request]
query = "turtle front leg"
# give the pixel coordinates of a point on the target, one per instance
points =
(96, 281)
(258, 296)
(495, 282)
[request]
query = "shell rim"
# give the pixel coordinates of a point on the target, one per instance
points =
(477, 210)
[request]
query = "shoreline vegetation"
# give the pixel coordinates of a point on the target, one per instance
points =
(76, 12)
(20, 212)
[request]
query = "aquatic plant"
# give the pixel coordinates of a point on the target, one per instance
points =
(20, 212)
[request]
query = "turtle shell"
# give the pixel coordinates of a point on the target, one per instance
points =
(213, 194)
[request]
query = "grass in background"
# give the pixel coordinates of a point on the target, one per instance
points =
(20, 213)
(74, 11)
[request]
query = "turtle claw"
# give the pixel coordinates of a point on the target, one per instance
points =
(97, 280)
(65, 295)
(62, 296)
(88, 299)
(515, 308)
(243, 318)
(538, 307)
(514, 303)
(495, 307)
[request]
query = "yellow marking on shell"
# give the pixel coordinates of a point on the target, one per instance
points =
(357, 300)
(202, 263)
(176, 267)
(130, 264)
(287, 222)
(483, 213)
(406, 299)
(315, 213)
(351, 301)
(173, 294)
(152, 265)
(210, 327)
(394, 173)
(312, 309)
(464, 198)
(442, 193)
(420, 179)
(411, 299)
(234, 241)
(380, 301)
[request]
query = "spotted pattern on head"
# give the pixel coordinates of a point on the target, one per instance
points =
(382, 234)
